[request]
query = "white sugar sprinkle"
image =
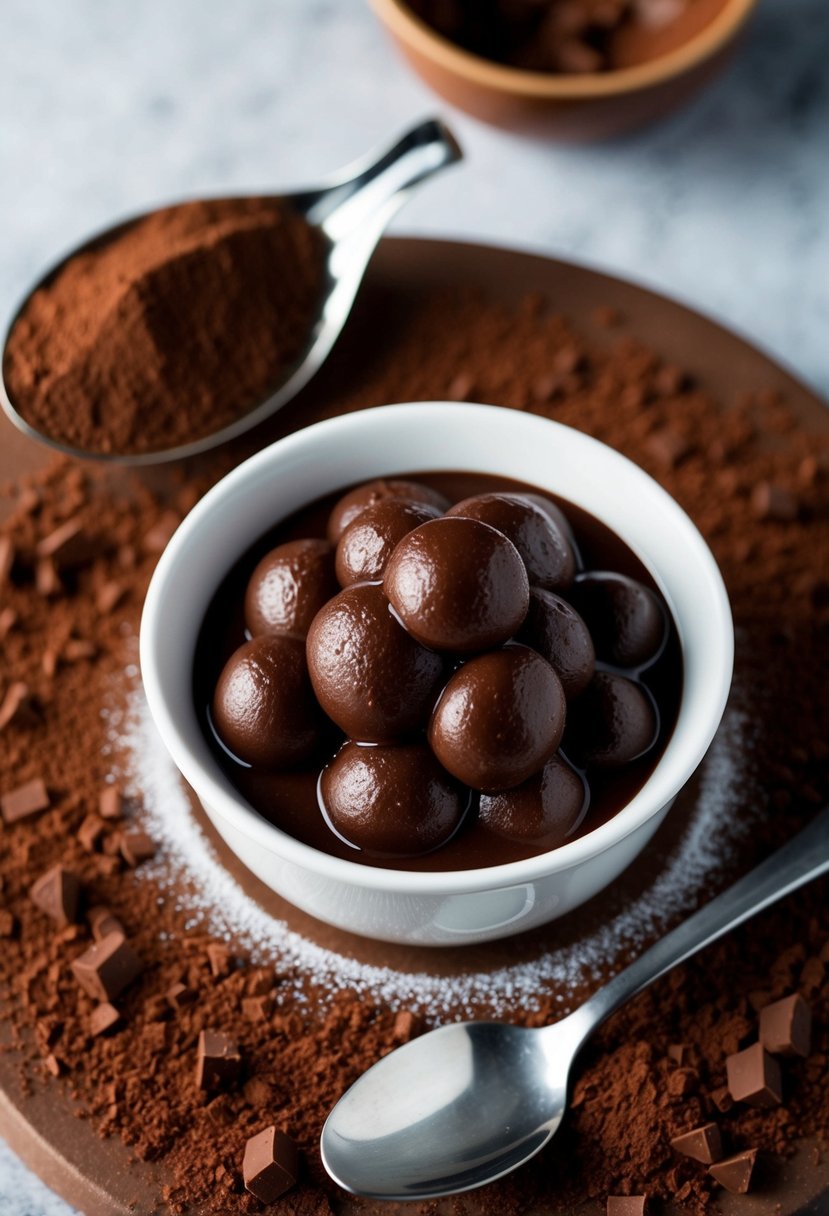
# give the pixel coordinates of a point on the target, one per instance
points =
(709, 841)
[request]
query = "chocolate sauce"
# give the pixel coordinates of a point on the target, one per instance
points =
(290, 799)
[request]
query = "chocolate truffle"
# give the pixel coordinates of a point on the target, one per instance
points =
(370, 676)
(544, 547)
(613, 722)
(499, 719)
(364, 549)
(458, 585)
(392, 801)
(558, 633)
(543, 811)
(355, 501)
(625, 619)
(289, 586)
(263, 706)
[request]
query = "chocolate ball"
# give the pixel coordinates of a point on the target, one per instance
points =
(370, 676)
(499, 719)
(458, 585)
(544, 546)
(626, 620)
(355, 501)
(558, 633)
(613, 722)
(364, 549)
(543, 811)
(263, 707)
(391, 801)
(289, 586)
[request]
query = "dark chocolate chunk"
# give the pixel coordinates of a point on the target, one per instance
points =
(90, 833)
(58, 894)
(735, 1172)
(754, 1077)
(702, 1143)
(157, 538)
(270, 1164)
(218, 1062)
(627, 1205)
(103, 1018)
(107, 968)
(774, 503)
(179, 995)
(110, 802)
(137, 847)
(68, 545)
(18, 707)
(8, 620)
(786, 1027)
(7, 556)
(219, 958)
(109, 596)
(102, 922)
(47, 579)
(25, 800)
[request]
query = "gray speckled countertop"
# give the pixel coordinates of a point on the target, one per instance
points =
(107, 108)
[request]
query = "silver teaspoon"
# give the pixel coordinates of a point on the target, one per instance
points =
(468, 1103)
(351, 211)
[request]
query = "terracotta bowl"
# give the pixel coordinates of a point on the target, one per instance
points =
(573, 108)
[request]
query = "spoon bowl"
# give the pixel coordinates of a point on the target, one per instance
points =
(350, 212)
(468, 1103)
(496, 1094)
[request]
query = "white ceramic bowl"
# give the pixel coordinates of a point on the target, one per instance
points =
(463, 906)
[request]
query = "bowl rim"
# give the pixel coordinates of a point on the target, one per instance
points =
(424, 40)
(210, 787)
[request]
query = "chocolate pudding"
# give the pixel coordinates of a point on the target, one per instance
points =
(453, 710)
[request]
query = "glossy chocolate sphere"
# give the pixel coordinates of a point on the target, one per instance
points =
(263, 707)
(543, 811)
(369, 675)
(364, 549)
(356, 500)
(558, 633)
(391, 800)
(544, 546)
(625, 619)
(289, 586)
(458, 585)
(613, 722)
(499, 719)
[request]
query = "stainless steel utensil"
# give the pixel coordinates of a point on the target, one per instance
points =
(470, 1102)
(351, 210)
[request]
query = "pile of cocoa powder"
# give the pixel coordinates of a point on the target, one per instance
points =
(168, 329)
(757, 485)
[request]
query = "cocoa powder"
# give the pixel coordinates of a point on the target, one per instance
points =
(657, 1069)
(169, 329)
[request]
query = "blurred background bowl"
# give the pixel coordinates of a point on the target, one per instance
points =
(574, 108)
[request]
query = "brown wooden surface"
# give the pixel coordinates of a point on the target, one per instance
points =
(96, 1175)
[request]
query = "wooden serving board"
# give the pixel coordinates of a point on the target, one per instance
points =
(97, 1176)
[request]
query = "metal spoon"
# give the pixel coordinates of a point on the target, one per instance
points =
(351, 210)
(468, 1103)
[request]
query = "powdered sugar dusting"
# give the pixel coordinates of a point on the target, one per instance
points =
(186, 859)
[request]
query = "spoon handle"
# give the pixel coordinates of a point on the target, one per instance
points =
(370, 191)
(805, 857)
